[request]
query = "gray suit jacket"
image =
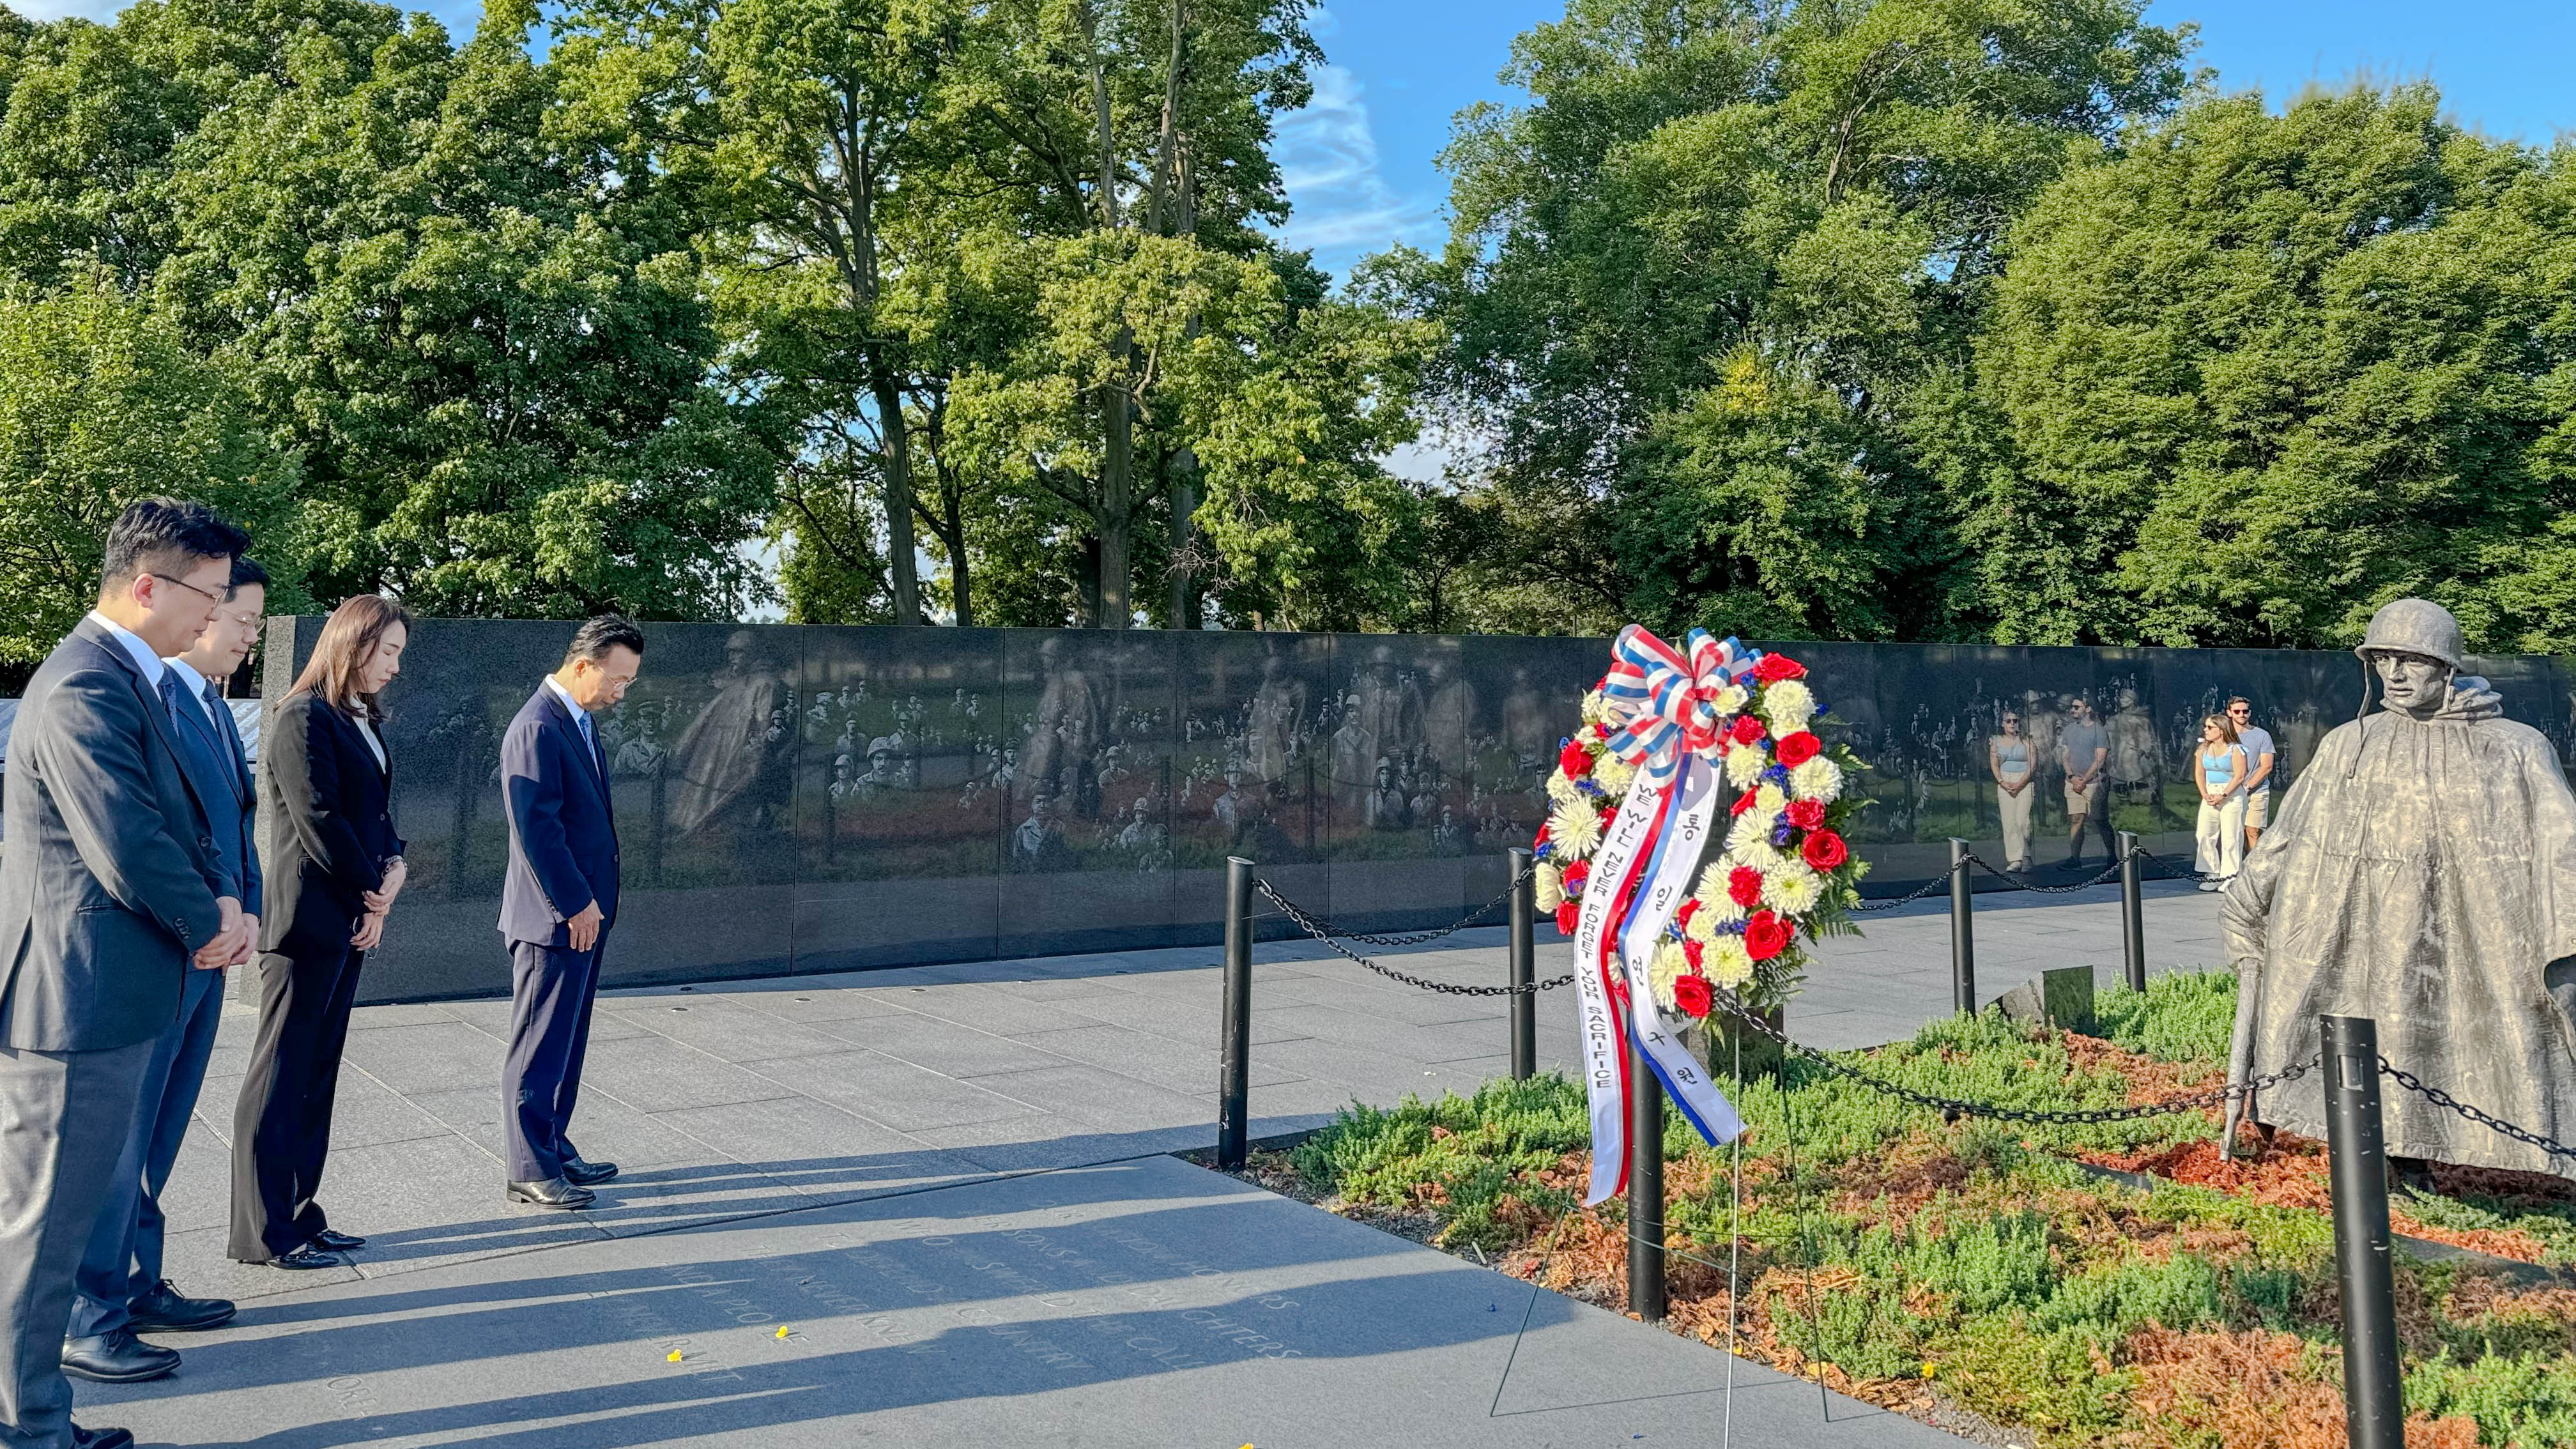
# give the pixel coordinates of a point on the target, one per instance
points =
(108, 883)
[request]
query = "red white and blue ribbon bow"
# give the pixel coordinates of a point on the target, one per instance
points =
(1664, 704)
(1668, 697)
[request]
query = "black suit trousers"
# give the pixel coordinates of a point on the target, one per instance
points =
(282, 1125)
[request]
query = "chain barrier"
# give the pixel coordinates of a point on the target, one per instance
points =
(2109, 872)
(1956, 1107)
(1937, 882)
(1320, 928)
(2445, 1100)
(1321, 931)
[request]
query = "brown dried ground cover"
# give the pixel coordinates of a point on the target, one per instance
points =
(1976, 1275)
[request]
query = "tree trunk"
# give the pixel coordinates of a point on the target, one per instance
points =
(1185, 502)
(1090, 583)
(898, 491)
(1117, 506)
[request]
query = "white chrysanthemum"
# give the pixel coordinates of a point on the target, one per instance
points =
(1667, 966)
(1592, 707)
(1703, 925)
(1549, 884)
(1770, 799)
(1818, 779)
(1745, 763)
(1751, 828)
(1788, 705)
(1756, 853)
(1732, 699)
(1715, 906)
(1791, 888)
(1562, 790)
(1727, 963)
(1614, 774)
(1574, 829)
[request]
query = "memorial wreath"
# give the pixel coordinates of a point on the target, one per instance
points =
(1623, 860)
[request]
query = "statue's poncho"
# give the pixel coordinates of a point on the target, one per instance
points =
(2423, 873)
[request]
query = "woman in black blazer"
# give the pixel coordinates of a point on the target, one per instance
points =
(334, 866)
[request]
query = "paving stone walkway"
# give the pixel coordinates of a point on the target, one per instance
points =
(752, 1116)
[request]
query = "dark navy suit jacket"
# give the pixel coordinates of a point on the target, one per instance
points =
(563, 827)
(212, 751)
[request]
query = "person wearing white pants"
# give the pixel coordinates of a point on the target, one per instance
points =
(2011, 758)
(2221, 775)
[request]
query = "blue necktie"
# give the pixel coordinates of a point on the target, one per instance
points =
(170, 694)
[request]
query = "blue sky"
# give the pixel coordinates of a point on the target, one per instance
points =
(1360, 161)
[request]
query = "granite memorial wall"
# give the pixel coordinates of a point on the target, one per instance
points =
(801, 798)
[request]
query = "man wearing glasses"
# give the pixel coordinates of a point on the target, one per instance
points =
(2257, 744)
(120, 1290)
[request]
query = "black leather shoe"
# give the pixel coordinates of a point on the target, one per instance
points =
(307, 1256)
(583, 1174)
(102, 1438)
(164, 1311)
(117, 1358)
(554, 1192)
(338, 1242)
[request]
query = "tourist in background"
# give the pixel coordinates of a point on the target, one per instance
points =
(110, 893)
(2011, 760)
(557, 903)
(334, 868)
(2084, 752)
(2257, 744)
(121, 1290)
(2221, 775)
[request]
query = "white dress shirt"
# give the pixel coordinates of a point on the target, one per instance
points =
(581, 719)
(144, 658)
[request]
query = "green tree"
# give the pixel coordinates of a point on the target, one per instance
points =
(481, 332)
(1811, 192)
(2266, 372)
(100, 404)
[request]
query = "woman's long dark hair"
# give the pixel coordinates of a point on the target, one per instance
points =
(349, 640)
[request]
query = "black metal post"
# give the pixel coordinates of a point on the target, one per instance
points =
(1963, 939)
(2133, 916)
(1645, 1188)
(1234, 1073)
(2357, 1158)
(1524, 960)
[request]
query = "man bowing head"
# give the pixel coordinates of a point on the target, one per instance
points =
(557, 904)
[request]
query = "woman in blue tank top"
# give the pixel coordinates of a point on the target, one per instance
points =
(2221, 763)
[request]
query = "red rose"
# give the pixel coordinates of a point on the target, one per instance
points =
(1682, 920)
(1575, 761)
(1799, 748)
(1746, 730)
(1777, 667)
(1692, 951)
(1745, 801)
(1542, 836)
(1824, 850)
(1744, 886)
(1575, 875)
(1765, 936)
(1806, 814)
(1691, 994)
(1568, 916)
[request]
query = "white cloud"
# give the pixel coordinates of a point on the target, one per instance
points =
(1328, 158)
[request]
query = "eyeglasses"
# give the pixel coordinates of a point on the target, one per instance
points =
(215, 599)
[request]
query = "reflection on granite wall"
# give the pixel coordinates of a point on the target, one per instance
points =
(797, 798)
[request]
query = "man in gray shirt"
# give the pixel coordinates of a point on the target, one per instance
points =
(2084, 751)
(2257, 744)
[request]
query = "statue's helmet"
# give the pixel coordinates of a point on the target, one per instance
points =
(2414, 626)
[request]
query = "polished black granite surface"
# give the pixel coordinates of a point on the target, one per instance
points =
(798, 798)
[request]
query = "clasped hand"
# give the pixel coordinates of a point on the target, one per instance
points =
(235, 933)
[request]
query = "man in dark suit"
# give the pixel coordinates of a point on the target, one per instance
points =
(110, 891)
(557, 903)
(120, 1288)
